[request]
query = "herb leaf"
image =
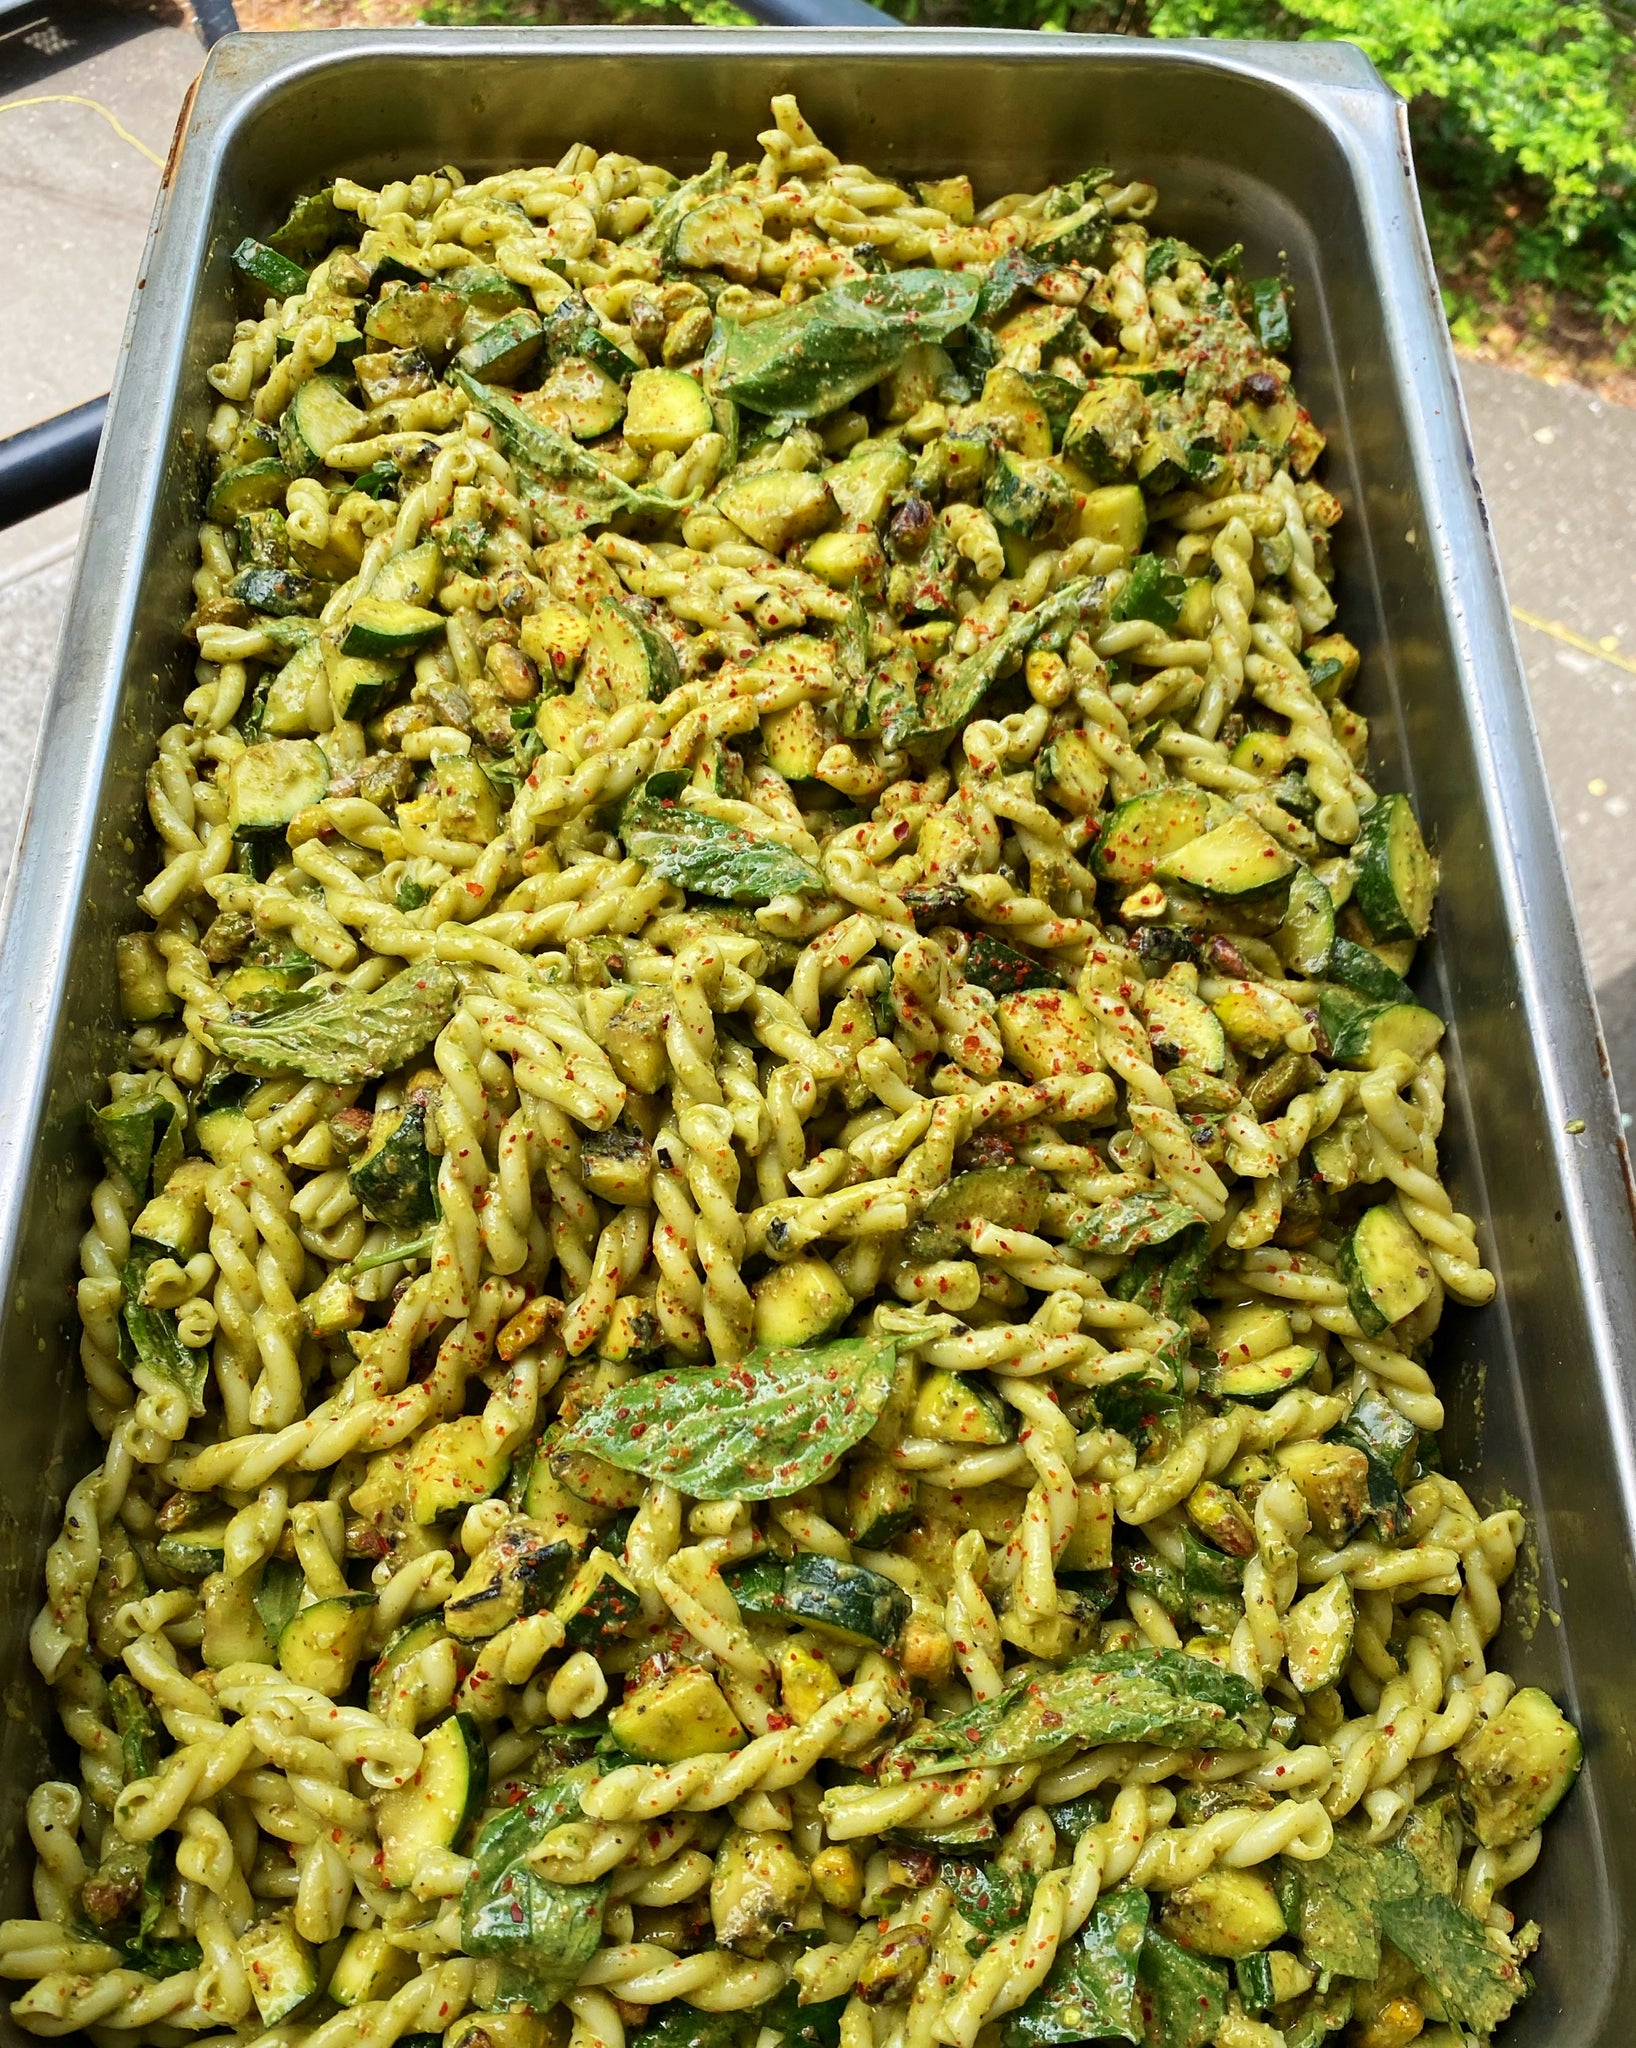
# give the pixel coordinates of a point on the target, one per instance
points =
(559, 482)
(140, 1136)
(543, 1933)
(1161, 1696)
(1154, 592)
(1182, 1997)
(153, 1335)
(824, 352)
(991, 1897)
(1130, 1223)
(941, 708)
(705, 854)
(780, 1419)
(346, 1037)
(1091, 1991)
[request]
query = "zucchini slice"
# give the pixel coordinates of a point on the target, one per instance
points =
(1271, 1977)
(402, 1647)
(269, 782)
(623, 658)
(501, 353)
(411, 577)
(1386, 1268)
(1318, 1633)
(1306, 935)
(380, 628)
(1147, 829)
(1183, 1026)
(1516, 1767)
(369, 1968)
(395, 1179)
(431, 1811)
(957, 1408)
(589, 399)
(324, 1642)
(425, 316)
(281, 1967)
(252, 487)
(756, 1587)
(845, 1600)
(670, 1719)
(1262, 1381)
(1237, 861)
(319, 417)
(1026, 496)
(666, 412)
(776, 507)
(1396, 876)
(194, 1553)
(274, 273)
(1362, 970)
(880, 1500)
(1372, 1034)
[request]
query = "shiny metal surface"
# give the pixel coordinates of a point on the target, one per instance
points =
(1296, 150)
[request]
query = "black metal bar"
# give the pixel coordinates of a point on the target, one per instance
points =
(215, 19)
(43, 465)
(819, 13)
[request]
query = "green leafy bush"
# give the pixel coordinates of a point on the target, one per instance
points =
(1523, 115)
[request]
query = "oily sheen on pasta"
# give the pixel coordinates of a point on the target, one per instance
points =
(770, 1234)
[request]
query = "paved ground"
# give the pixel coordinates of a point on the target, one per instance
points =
(1559, 466)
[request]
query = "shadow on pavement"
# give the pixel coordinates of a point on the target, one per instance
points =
(37, 40)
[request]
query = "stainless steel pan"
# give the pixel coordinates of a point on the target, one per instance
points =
(1301, 153)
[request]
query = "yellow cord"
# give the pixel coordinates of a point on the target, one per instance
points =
(1570, 638)
(74, 99)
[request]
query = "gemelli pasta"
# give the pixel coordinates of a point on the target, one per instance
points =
(770, 1233)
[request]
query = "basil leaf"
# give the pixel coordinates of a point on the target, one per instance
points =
(706, 855)
(277, 1598)
(990, 1897)
(679, 2026)
(780, 1419)
(1476, 1985)
(140, 1136)
(1160, 1696)
(941, 708)
(559, 481)
(803, 2026)
(153, 1334)
(1129, 1223)
(824, 352)
(1154, 592)
(543, 1933)
(1182, 1997)
(1091, 1991)
(679, 200)
(1269, 313)
(1003, 969)
(138, 1739)
(346, 1037)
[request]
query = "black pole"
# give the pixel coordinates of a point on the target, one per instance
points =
(819, 13)
(43, 465)
(215, 19)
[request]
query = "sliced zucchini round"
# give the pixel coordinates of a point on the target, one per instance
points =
(402, 1647)
(1386, 1268)
(1307, 932)
(269, 782)
(1318, 1633)
(411, 577)
(845, 1600)
(666, 412)
(265, 267)
(501, 353)
(433, 1809)
(1147, 829)
(1397, 877)
(960, 1408)
(1371, 1036)
(1236, 861)
(322, 1645)
(319, 417)
(380, 628)
(252, 487)
(1361, 969)
(194, 1553)
(1261, 1381)
(756, 1587)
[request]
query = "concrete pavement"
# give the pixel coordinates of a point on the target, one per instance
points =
(1559, 467)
